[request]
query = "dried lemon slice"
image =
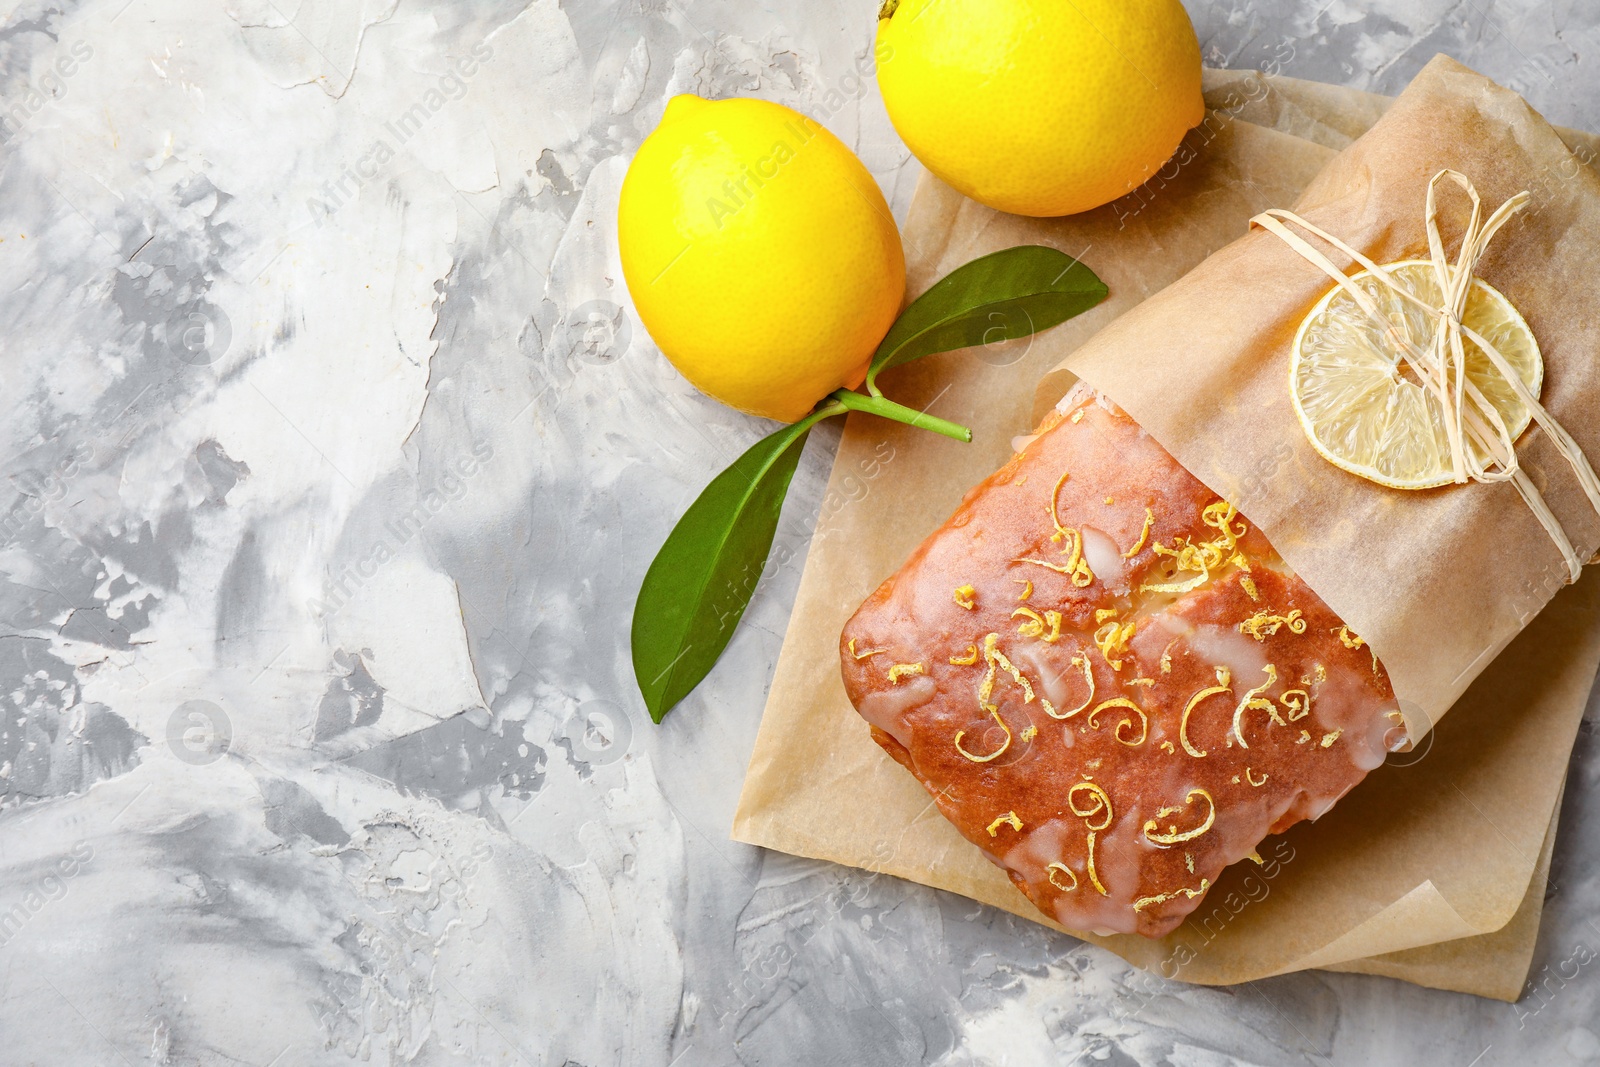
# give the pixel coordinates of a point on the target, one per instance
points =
(1364, 410)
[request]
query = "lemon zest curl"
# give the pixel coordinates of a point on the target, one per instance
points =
(1078, 571)
(1173, 836)
(1082, 662)
(1253, 700)
(1053, 868)
(997, 753)
(1093, 875)
(1010, 818)
(1297, 702)
(904, 670)
(1112, 640)
(1144, 535)
(997, 658)
(1223, 685)
(1046, 628)
(1100, 804)
(1162, 898)
(1124, 702)
(1263, 624)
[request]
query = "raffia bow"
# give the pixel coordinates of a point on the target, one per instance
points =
(1441, 365)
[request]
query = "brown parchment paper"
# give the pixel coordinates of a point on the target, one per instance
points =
(1443, 850)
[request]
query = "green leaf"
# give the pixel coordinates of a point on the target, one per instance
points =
(1004, 295)
(701, 581)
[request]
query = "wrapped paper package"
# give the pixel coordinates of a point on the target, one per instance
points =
(1433, 869)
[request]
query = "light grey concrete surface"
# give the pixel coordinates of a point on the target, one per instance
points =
(327, 493)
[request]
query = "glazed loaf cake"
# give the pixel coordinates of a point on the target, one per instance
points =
(1108, 679)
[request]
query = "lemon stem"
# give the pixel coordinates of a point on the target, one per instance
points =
(827, 408)
(888, 409)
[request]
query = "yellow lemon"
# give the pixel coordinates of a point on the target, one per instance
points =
(1040, 107)
(1364, 411)
(759, 253)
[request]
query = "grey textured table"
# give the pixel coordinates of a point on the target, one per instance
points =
(334, 459)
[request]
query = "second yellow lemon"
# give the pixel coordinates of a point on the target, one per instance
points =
(1040, 107)
(760, 254)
